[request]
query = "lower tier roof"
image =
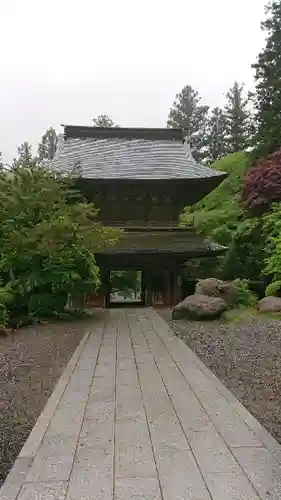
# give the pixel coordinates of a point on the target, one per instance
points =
(175, 241)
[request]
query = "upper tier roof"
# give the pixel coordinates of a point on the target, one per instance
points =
(129, 153)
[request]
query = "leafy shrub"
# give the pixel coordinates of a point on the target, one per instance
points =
(3, 315)
(244, 296)
(45, 305)
(6, 298)
(262, 184)
(274, 289)
(272, 231)
(245, 255)
(218, 214)
(48, 239)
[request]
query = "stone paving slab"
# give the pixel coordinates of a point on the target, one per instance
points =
(136, 415)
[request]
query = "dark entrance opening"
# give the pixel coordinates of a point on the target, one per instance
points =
(126, 288)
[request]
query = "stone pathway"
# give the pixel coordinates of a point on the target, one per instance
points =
(136, 415)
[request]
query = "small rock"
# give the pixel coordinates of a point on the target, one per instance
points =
(199, 306)
(270, 304)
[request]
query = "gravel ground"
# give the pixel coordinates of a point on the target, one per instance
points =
(31, 362)
(246, 357)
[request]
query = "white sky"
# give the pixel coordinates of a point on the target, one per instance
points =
(66, 61)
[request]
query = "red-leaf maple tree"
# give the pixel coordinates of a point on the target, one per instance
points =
(262, 184)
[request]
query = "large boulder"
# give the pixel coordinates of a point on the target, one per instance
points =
(200, 306)
(214, 287)
(270, 304)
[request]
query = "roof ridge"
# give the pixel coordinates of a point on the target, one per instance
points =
(170, 134)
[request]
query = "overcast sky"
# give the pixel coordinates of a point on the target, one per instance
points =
(66, 61)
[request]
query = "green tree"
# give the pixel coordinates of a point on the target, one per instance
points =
(245, 255)
(25, 157)
(1, 161)
(238, 121)
(48, 145)
(216, 146)
(48, 238)
(220, 217)
(262, 185)
(218, 214)
(268, 85)
(272, 232)
(103, 120)
(188, 113)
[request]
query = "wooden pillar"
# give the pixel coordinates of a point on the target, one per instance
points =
(143, 287)
(177, 293)
(149, 291)
(105, 286)
(171, 287)
(167, 287)
(179, 286)
(108, 289)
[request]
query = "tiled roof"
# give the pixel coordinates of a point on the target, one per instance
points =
(128, 154)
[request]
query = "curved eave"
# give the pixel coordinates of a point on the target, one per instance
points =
(188, 190)
(214, 179)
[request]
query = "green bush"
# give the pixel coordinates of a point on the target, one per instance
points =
(48, 239)
(274, 289)
(3, 315)
(244, 296)
(245, 255)
(272, 230)
(219, 216)
(46, 305)
(6, 299)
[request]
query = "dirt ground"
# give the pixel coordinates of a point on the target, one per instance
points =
(31, 362)
(246, 356)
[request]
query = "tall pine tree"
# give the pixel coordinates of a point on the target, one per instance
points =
(268, 85)
(48, 145)
(238, 122)
(188, 113)
(25, 157)
(216, 143)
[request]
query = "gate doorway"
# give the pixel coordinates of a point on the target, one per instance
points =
(126, 288)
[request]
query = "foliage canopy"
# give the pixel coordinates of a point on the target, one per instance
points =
(238, 119)
(220, 217)
(268, 85)
(188, 113)
(103, 120)
(48, 238)
(48, 145)
(262, 185)
(218, 214)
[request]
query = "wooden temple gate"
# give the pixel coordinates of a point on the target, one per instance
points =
(140, 179)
